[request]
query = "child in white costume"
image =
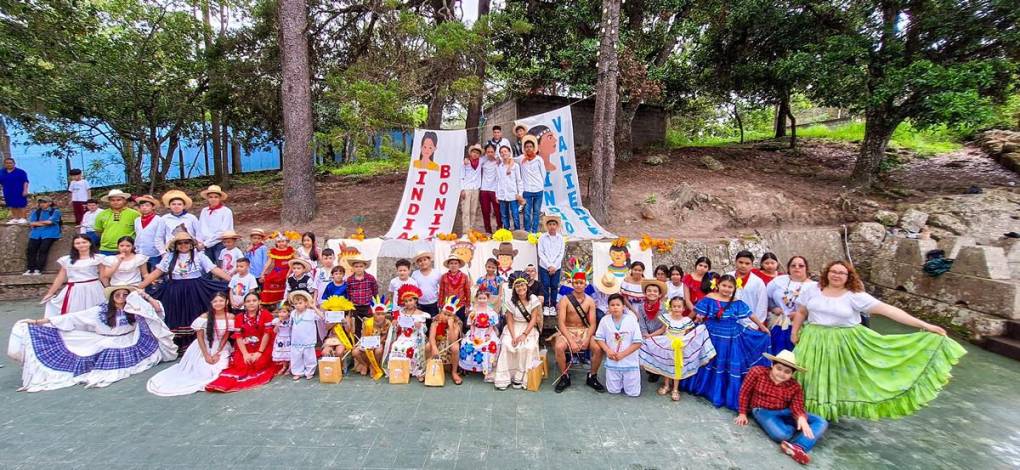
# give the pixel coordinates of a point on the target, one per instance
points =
(304, 333)
(619, 336)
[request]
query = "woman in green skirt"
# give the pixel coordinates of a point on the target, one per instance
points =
(854, 371)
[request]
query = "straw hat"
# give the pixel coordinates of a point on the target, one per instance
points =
(475, 148)
(257, 231)
(111, 289)
(358, 259)
(609, 284)
(786, 358)
(301, 261)
(300, 293)
(529, 138)
(229, 234)
(179, 236)
(655, 282)
(551, 218)
(452, 257)
(176, 194)
(147, 198)
(422, 254)
(115, 193)
(213, 189)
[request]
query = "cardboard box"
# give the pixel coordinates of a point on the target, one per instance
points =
(399, 370)
(331, 370)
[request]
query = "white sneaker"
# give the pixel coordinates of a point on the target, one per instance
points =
(27, 273)
(12, 222)
(37, 273)
(23, 221)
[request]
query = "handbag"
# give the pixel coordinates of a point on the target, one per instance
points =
(435, 375)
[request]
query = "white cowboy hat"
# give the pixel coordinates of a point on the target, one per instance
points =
(300, 293)
(301, 261)
(213, 189)
(229, 234)
(422, 254)
(351, 260)
(115, 193)
(452, 257)
(786, 358)
(655, 282)
(609, 284)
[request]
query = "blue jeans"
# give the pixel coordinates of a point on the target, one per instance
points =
(510, 211)
(94, 237)
(532, 211)
(550, 285)
(780, 425)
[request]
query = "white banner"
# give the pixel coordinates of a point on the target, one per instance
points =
(432, 189)
(617, 260)
(515, 256)
(555, 133)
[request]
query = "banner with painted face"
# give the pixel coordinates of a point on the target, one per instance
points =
(554, 131)
(432, 188)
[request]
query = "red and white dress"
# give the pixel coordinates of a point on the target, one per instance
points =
(239, 375)
(83, 289)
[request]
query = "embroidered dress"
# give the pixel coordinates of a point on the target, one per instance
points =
(633, 293)
(281, 344)
(240, 375)
(738, 348)
(480, 348)
(83, 289)
(409, 341)
(128, 272)
(685, 342)
(275, 279)
(784, 293)
(857, 372)
(185, 291)
(80, 348)
(515, 361)
(490, 285)
(192, 374)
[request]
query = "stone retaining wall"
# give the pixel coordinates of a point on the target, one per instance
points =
(14, 243)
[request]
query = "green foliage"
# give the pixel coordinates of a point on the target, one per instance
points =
(364, 168)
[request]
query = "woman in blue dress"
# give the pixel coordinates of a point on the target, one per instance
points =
(739, 340)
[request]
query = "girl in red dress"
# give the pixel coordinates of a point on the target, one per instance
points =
(251, 363)
(769, 268)
(274, 276)
(692, 283)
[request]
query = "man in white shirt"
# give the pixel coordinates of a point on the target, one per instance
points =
(88, 221)
(750, 288)
(551, 246)
(178, 203)
(533, 174)
(470, 183)
(487, 194)
(150, 231)
(213, 221)
(497, 139)
(428, 281)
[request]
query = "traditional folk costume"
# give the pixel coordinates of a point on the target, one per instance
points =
(765, 277)
(192, 374)
(128, 272)
(515, 361)
(784, 293)
(82, 291)
(752, 290)
(185, 291)
(370, 328)
(694, 286)
(480, 348)
(854, 371)
(738, 345)
(257, 254)
(623, 375)
(456, 285)
(680, 352)
(181, 221)
(81, 348)
(304, 283)
(304, 334)
(275, 279)
(408, 333)
(250, 331)
(443, 339)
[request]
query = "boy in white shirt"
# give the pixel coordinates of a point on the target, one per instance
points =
(551, 247)
(88, 221)
(619, 336)
(403, 278)
(79, 189)
(323, 274)
(213, 221)
(228, 256)
(470, 183)
(241, 283)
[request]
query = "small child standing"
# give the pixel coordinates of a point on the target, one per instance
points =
(304, 333)
(281, 346)
(80, 194)
(323, 274)
(776, 401)
(481, 345)
(258, 252)
(403, 278)
(230, 253)
(87, 226)
(619, 336)
(299, 277)
(241, 284)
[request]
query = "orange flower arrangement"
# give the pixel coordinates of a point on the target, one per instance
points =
(447, 236)
(622, 242)
(358, 234)
(660, 245)
(292, 235)
(474, 236)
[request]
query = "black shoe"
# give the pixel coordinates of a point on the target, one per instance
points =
(652, 378)
(563, 384)
(593, 382)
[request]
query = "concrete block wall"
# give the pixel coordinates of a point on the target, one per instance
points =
(14, 243)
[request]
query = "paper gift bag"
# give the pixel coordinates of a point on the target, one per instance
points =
(545, 362)
(435, 376)
(331, 370)
(533, 379)
(399, 370)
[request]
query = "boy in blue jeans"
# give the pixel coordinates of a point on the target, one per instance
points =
(777, 403)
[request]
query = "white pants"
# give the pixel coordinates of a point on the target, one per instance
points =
(302, 361)
(628, 381)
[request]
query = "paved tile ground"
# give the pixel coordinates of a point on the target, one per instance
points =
(975, 423)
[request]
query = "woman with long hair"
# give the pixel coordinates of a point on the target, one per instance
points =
(768, 268)
(207, 356)
(95, 347)
(127, 267)
(519, 341)
(184, 290)
(78, 280)
(695, 287)
(309, 249)
(251, 364)
(853, 370)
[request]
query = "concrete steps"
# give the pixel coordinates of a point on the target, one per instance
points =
(1008, 344)
(18, 287)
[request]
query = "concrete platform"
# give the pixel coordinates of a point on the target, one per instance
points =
(362, 424)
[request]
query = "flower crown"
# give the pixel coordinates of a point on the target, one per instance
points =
(575, 270)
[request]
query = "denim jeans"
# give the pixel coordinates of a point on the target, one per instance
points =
(550, 285)
(532, 211)
(510, 211)
(780, 425)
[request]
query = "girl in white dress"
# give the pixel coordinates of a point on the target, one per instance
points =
(519, 349)
(94, 347)
(126, 268)
(79, 276)
(207, 356)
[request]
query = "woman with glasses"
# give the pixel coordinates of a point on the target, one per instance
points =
(783, 292)
(185, 290)
(855, 371)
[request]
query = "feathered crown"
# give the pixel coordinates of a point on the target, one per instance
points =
(286, 236)
(407, 290)
(451, 304)
(336, 303)
(379, 304)
(518, 276)
(575, 270)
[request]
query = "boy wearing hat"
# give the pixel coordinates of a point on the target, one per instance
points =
(258, 252)
(533, 174)
(213, 221)
(361, 288)
(304, 333)
(230, 253)
(299, 277)
(470, 184)
(776, 401)
(456, 283)
(115, 222)
(427, 278)
(551, 246)
(178, 205)
(150, 231)
(80, 194)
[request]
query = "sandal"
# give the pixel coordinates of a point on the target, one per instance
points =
(663, 390)
(676, 395)
(458, 380)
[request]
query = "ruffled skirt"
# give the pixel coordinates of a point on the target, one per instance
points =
(185, 299)
(738, 348)
(659, 357)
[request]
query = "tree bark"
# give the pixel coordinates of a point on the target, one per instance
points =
(5, 140)
(793, 127)
(215, 117)
(879, 124)
(624, 134)
(235, 155)
(474, 110)
(180, 163)
(603, 149)
(740, 121)
(782, 111)
(436, 105)
(299, 203)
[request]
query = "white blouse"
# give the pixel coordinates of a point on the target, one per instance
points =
(785, 292)
(128, 272)
(841, 311)
(86, 269)
(509, 307)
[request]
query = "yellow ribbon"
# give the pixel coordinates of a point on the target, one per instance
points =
(341, 334)
(678, 354)
(369, 330)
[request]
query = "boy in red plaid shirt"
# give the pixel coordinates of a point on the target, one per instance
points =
(777, 403)
(361, 288)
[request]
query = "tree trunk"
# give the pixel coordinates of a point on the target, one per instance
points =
(235, 155)
(879, 125)
(132, 161)
(624, 130)
(299, 202)
(474, 110)
(225, 156)
(740, 121)
(793, 127)
(180, 163)
(603, 153)
(436, 105)
(782, 111)
(5, 140)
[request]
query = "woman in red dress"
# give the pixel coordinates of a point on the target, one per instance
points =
(692, 283)
(251, 363)
(274, 276)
